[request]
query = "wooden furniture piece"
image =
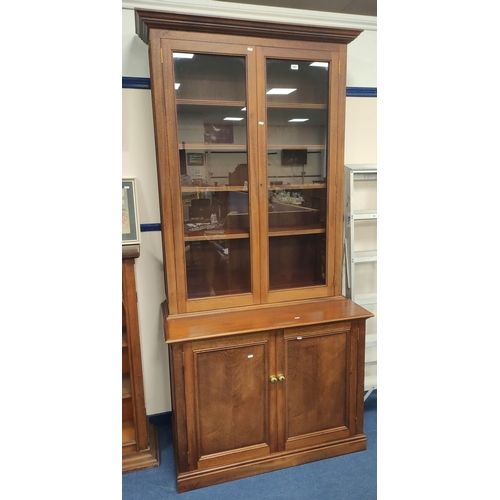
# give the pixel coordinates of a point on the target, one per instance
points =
(139, 437)
(266, 355)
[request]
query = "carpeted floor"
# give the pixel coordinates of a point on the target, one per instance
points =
(348, 477)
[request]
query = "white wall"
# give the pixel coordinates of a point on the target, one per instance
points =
(139, 161)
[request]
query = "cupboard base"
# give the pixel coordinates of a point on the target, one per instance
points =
(187, 481)
(143, 459)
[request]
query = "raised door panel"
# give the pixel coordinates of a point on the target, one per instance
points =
(317, 388)
(228, 399)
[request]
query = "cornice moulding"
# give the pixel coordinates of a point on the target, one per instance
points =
(256, 13)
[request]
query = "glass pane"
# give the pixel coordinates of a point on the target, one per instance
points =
(212, 132)
(297, 128)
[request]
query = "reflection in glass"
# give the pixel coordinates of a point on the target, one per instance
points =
(297, 131)
(212, 134)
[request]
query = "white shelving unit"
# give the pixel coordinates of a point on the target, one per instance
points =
(358, 194)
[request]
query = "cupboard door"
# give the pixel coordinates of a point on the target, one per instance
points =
(317, 389)
(229, 415)
(211, 175)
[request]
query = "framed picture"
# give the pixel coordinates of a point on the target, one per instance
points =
(130, 216)
(194, 159)
(293, 157)
(218, 133)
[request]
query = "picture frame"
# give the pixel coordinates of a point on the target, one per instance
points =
(130, 214)
(218, 133)
(293, 157)
(195, 159)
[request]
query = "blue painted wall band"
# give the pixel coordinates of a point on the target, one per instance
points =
(133, 82)
(145, 228)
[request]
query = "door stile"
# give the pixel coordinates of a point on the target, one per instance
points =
(174, 189)
(253, 174)
(338, 97)
(281, 369)
(262, 173)
(162, 144)
(335, 209)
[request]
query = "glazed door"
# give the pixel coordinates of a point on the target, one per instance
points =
(317, 388)
(211, 178)
(299, 100)
(251, 171)
(230, 412)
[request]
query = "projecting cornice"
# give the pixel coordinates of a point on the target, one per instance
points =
(145, 20)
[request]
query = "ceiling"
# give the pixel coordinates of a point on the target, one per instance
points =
(355, 7)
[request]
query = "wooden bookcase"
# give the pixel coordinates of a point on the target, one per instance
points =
(139, 437)
(266, 355)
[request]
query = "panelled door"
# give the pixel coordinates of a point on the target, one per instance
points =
(252, 395)
(319, 385)
(231, 412)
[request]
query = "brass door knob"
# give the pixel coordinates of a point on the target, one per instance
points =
(273, 379)
(281, 377)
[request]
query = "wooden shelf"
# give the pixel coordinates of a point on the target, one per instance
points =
(242, 148)
(296, 146)
(286, 187)
(297, 105)
(229, 234)
(232, 234)
(295, 231)
(126, 386)
(240, 104)
(280, 187)
(128, 432)
(210, 102)
(204, 189)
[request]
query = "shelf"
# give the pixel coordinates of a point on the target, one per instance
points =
(365, 214)
(228, 234)
(363, 172)
(205, 189)
(126, 386)
(242, 148)
(296, 146)
(233, 234)
(367, 256)
(210, 102)
(297, 105)
(128, 432)
(287, 187)
(280, 187)
(241, 104)
(295, 231)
